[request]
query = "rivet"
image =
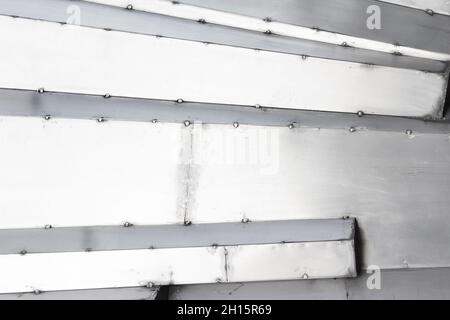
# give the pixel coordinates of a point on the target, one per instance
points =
(360, 113)
(130, 7)
(214, 245)
(429, 11)
(267, 19)
(397, 53)
(218, 280)
(346, 217)
(48, 226)
(107, 96)
(235, 124)
(101, 119)
(127, 224)
(187, 223)
(149, 284)
(352, 129)
(23, 252)
(187, 123)
(304, 57)
(154, 120)
(37, 291)
(245, 220)
(41, 90)
(291, 126)
(47, 117)
(344, 44)
(268, 32)
(180, 100)
(201, 21)
(409, 132)
(257, 106)
(305, 276)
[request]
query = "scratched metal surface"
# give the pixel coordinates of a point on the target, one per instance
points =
(404, 284)
(101, 16)
(172, 236)
(407, 26)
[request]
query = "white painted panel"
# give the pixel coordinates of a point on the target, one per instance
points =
(438, 6)
(75, 59)
(127, 268)
(291, 261)
(81, 172)
(244, 22)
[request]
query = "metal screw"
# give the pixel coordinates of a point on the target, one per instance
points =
(37, 291)
(430, 12)
(352, 129)
(48, 226)
(201, 20)
(41, 90)
(245, 220)
(107, 96)
(344, 44)
(187, 123)
(187, 223)
(154, 120)
(257, 106)
(268, 32)
(236, 124)
(47, 117)
(129, 7)
(127, 224)
(267, 19)
(149, 284)
(291, 126)
(23, 252)
(409, 132)
(180, 101)
(304, 57)
(214, 245)
(101, 119)
(360, 113)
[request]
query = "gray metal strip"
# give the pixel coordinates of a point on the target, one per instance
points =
(406, 26)
(107, 17)
(59, 105)
(135, 293)
(75, 239)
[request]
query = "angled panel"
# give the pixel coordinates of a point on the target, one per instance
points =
(106, 62)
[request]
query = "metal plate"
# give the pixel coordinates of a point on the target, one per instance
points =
(85, 173)
(403, 25)
(118, 63)
(172, 236)
(126, 268)
(108, 17)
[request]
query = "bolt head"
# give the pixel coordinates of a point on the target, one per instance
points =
(257, 106)
(48, 226)
(360, 113)
(268, 32)
(127, 224)
(41, 90)
(236, 124)
(187, 123)
(180, 100)
(107, 96)
(101, 119)
(305, 276)
(429, 11)
(187, 223)
(154, 120)
(149, 284)
(37, 291)
(352, 129)
(291, 126)
(130, 7)
(409, 132)
(23, 252)
(245, 220)
(47, 117)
